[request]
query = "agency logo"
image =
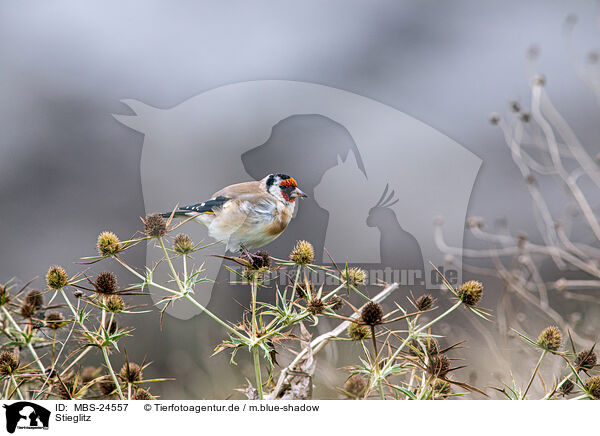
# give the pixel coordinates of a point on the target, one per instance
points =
(27, 416)
(376, 178)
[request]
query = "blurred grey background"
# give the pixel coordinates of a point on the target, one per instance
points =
(69, 170)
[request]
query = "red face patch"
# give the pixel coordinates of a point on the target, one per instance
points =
(288, 183)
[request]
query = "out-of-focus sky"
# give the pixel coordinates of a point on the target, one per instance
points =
(69, 170)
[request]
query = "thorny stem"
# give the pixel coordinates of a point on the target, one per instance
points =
(256, 356)
(414, 334)
(255, 348)
(12, 378)
(168, 259)
(537, 367)
(29, 346)
(112, 372)
(182, 294)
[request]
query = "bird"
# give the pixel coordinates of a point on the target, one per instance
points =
(248, 215)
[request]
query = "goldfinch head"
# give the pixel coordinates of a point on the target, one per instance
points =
(283, 187)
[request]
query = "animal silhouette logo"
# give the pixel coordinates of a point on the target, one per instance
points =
(343, 149)
(26, 415)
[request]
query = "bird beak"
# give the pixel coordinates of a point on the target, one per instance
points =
(298, 193)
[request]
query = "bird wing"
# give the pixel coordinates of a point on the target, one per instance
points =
(246, 195)
(239, 189)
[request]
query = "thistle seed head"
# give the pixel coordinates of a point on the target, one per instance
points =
(4, 295)
(586, 360)
(88, 374)
(424, 302)
(372, 314)
(108, 244)
(432, 347)
(155, 226)
(592, 387)
(358, 332)
(550, 339)
(303, 253)
(335, 302)
(34, 298)
(304, 289)
(567, 387)
(470, 292)
(183, 244)
(315, 306)
(8, 362)
(131, 372)
(441, 387)
(55, 320)
(354, 276)
(355, 385)
(66, 389)
(261, 259)
(106, 283)
(56, 277)
(114, 304)
(142, 394)
(438, 365)
(107, 386)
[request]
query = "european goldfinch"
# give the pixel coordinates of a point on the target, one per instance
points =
(247, 215)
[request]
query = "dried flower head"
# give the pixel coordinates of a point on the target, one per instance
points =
(335, 302)
(586, 360)
(4, 295)
(56, 277)
(432, 347)
(355, 385)
(354, 276)
(550, 339)
(114, 304)
(442, 388)
(66, 389)
(142, 394)
(470, 292)
(108, 244)
(567, 387)
(515, 106)
(303, 253)
(55, 320)
(155, 226)
(183, 244)
(315, 305)
(424, 302)
(525, 117)
(8, 362)
(494, 118)
(34, 298)
(438, 365)
(358, 332)
(106, 283)
(27, 310)
(107, 386)
(371, 314)
(131, 372)
(304, 289)
(112, 327)
(592, 387)
(88, 374)
(260, 259)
